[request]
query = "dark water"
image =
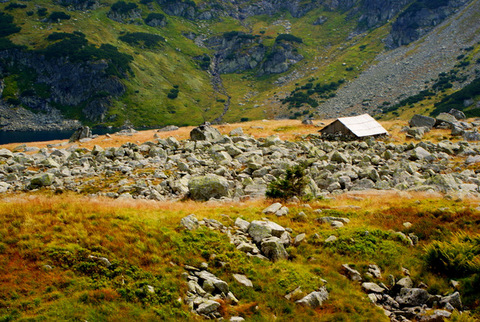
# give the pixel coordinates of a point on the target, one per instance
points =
(35, 136)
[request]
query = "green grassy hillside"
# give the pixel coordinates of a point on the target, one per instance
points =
(47, 273)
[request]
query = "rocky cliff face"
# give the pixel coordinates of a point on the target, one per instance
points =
(65, 83)
(296, 8)
(377, 12)
(80, 4)
(238, 52)
(420, 18)
(282, 56)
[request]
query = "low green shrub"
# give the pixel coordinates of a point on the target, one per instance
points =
(57, 16)
(123, 7)
(15, 5)
(142, 39)
(7, 27)
(288, 37)
(457, 257)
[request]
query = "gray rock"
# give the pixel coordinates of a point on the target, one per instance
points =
(437, 316)
(372, 287)
(445, 118)
(339, 157)
(206, 133)
(102, 260)
(420, 153)
(168, 128)
(82, 133)
(330, 239)
(236, 132)
(236, 319)
(242, 224)
(320, 20)
(42, 180)
(209, 186)
(210, 280)
(417, 132)
(282, 212)
(351, 273)
(374, 271)
(315, 299)
(5, 153)
(459, 115)
(471, 135)
(453, 299)
(242, 279)
(190, 222)
(273, 208)
(4, 187)
(207, 307)
(259, 230)
(405, 282)
(422, 121)
(412, 296)
(332, 219)
(299, 238)
(273, 248)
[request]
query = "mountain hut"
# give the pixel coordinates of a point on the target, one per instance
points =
(354, 127)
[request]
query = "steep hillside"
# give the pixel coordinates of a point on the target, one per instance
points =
(151, 63)
(441, 62)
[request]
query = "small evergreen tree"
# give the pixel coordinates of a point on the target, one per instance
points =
(292, 185)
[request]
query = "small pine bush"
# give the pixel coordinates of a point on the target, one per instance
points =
(58, 15)
(292, 185)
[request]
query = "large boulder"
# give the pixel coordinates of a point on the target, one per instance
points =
(42, 180)
(422, 121)
(190, 222)
(206, 133)
(446, 118)
(209, 186)
(471, 135)
(272, 247)
(260, 230)
(459, 115)
(315, 299)
(453, 299)
(5, 153)
(207, 307)
(211, 283)
(82, 133)
(412, 297)
(4, 187)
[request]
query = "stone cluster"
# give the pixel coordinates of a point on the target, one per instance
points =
(401, 300)
(238, 167)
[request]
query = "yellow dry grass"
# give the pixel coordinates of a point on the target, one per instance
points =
(285, 129)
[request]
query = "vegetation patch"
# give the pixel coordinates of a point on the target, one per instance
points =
(123, 7)
(291, 186)
(77, 48)
(142, 39)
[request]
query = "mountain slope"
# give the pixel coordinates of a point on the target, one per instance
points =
(152, 63)
(407, 70)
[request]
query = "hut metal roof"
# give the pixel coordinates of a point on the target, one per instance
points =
(363, 125)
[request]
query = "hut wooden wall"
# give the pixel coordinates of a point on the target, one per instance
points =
(336, 127)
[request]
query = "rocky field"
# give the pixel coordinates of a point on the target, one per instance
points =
(178, 228)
